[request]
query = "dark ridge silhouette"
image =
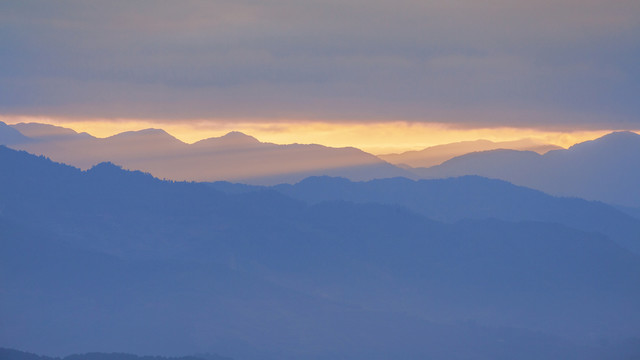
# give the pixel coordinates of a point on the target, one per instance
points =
(234, 156)
(606, 169)
(111, 260)
(12, 354)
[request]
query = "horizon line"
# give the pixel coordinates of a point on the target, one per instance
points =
(378, 139)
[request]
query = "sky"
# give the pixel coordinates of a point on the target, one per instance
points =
(382, 75)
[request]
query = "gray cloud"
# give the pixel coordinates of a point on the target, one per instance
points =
(526, 63)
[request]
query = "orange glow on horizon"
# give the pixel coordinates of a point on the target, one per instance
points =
(376, 138)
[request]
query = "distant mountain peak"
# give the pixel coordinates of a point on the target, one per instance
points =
(106, 166)
(438, 154)
(233, 138)
(11, 136)
(237, 134)
(153, 135)
(37, 130)
(622, 135)
(153, 131)
(614, 139)
(144, 132)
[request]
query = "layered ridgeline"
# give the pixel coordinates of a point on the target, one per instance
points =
(233, 157)
(436, 155)
(111, 260)
(469, 197)
(605, 169)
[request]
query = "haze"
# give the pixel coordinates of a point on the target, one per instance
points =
(319, 179)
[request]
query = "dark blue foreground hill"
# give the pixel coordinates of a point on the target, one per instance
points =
(12, 354)
(110, 260)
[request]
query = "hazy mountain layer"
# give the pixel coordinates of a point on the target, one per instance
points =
(605, 169)
(235, 156)
(11, 136)
(109, 260)
(438, 154)
(470, 197)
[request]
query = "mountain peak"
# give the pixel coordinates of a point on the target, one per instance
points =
(616, 139)
(105, 167)
(158, 136)
(238, 136)
(11, 136)
(438, 154)
(233, 138)
(622, 135)
(143, 132)
(37, 130)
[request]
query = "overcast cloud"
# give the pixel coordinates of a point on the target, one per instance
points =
(562, 63)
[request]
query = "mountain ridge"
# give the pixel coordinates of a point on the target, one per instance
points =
(10, 136)
(605, 169)
(472, 197)
(435, 155)
(233, 156)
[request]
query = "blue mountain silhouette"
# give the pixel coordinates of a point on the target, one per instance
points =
(468, 197)
(112, 260)
(12, 354)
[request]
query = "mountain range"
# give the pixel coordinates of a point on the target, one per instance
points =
(233, 157)
(114, 260)
(606, 169)
(473, 197)
(467, 197)
(436, 155)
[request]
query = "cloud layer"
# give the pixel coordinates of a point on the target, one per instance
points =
(564, 63)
